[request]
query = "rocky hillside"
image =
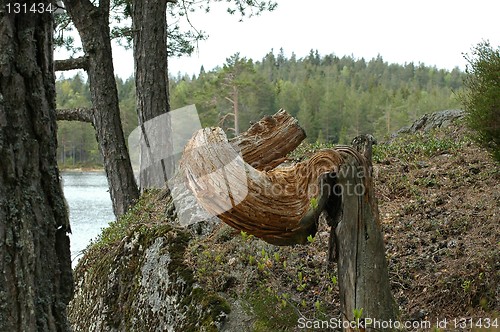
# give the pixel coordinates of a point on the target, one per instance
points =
(439, 199)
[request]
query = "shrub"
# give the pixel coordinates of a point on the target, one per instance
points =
(481, 96)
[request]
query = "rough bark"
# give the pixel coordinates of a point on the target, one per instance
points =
(76, 114)
(71, 64)
(92, 24)
(36, 277)
(151, 81)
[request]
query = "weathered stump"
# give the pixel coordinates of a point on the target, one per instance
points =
(281, 205)
(266, 143)
(362, 267)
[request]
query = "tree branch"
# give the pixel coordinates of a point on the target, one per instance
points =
(229, 99)
(76, 114)
(73, 63)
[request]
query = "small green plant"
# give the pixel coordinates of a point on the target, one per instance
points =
(466, 285)
(202, 270)
(317, 305)
(311, 239)
(301, 287)
(277, 256)
(313, 203)
(261, 266)
(207, 254)
(283, 298)
(302, 284)
(245, 236)
(334, 280)
(358, 313)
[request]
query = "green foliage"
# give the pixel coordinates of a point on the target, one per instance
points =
(466, 285)
(311, 239)
(481, 97)
(77, 145)
(182, 35)
(411, 147)
(283, 317)
(333, 98)
(134, 218)
(313, 203)
(334, 280)
(358, 313)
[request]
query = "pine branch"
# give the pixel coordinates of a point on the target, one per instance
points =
(76, 114)
(70, 64)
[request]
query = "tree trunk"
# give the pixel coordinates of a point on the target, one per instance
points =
(36, 277)
(151, 81)
(362, 267)
(93, 26)
(236, 110)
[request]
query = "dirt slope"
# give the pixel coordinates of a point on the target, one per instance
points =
(439, 199)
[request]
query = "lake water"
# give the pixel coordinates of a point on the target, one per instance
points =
(90, 208)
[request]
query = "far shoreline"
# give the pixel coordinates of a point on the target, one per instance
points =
(81, 170)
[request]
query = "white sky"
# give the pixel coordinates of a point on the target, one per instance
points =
(435, 32)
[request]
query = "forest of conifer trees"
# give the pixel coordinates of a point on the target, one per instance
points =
(334, 98)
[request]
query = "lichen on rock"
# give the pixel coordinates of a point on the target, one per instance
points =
(142, 284)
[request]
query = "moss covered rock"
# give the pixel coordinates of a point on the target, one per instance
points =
(142, 284)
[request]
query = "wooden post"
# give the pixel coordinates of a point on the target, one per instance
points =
(362, 267)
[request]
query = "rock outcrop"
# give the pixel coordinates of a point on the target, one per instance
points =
(143, 284)
(430, 121)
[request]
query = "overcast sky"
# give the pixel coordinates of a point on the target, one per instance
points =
(435, 32)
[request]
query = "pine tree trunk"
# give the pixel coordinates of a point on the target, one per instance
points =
(151, 81)
(236, 111)
(93, 26)
(36, 277)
